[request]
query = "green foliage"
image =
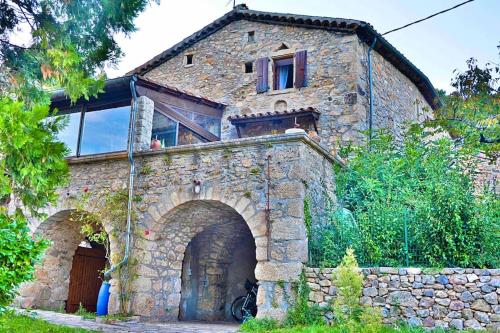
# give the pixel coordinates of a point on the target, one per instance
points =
(18, 254)
(349, 282)
(70, 43)
(300, 312)
(307, 217)
(471, 113)
(96, 211)
(352, 328)
(259, 325)
(84, 313)
(422, 186)
(32, 162)
(14, 323)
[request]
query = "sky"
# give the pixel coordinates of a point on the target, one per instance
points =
(437, 46)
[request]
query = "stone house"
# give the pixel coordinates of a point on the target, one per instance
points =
(222, 195)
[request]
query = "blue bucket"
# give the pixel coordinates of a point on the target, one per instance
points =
(103, 299)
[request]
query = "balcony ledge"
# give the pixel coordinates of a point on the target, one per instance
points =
(234, 143)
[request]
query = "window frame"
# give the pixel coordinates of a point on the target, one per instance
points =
(90, 107)
(188, 56)
(282, 60)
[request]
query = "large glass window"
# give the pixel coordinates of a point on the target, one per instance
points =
(164, 129)
(105, 130)
(69, 134)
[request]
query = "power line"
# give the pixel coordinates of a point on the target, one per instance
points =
(426, 18)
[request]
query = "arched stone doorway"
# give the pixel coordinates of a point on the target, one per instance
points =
(201, 253)
(216, 264)
(69, 272)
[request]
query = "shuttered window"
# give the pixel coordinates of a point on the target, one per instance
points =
(262, 75)
(300, 69)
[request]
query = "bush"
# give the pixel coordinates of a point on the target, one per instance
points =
(410, 203)
(18, 254)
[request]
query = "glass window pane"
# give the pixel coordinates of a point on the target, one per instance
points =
(164, 129)
(187, 137)
(69, 134)
(105, 130)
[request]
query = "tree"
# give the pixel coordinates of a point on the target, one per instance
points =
(471, 113)
(70, 43)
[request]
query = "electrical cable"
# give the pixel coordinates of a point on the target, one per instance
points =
(428, 17)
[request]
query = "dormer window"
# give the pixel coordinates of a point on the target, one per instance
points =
(251, 36)
(283, 73)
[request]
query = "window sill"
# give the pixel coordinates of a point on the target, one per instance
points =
(282, 91)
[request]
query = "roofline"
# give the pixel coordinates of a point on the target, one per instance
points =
(123, 82)
(363, 29)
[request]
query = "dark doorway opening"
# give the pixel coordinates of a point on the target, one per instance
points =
(85, 277)
(217, 262)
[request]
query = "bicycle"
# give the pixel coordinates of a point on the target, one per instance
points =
(245, 307)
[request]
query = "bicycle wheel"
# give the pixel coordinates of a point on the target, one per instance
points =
(237, 309)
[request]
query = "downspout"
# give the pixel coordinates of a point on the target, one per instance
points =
(131, 138)
(370, 82)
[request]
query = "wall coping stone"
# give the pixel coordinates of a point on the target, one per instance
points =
(208, 146)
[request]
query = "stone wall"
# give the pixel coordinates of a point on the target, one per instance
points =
(451, 298)
(396, 100)
(336, 78)
(239, 180)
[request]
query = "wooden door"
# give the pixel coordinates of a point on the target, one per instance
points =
(84, 281)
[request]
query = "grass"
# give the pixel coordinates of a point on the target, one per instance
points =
(271, 326)
(15, 323)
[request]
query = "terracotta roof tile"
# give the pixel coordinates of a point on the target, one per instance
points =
(292, 112)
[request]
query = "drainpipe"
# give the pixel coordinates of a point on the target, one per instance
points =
(370, 80)
(103, 297)
(131, 137)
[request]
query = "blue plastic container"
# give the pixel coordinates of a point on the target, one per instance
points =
(103, 299)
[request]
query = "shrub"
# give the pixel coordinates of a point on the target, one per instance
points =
(411, 202)
(349, 283)
(18, 254)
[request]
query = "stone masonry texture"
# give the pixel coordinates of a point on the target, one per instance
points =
(452, 298)
(337, 83)
(234, 178)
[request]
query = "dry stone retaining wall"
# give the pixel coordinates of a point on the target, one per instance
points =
(451, 298)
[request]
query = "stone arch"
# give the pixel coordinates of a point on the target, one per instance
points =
(51, 283)
(255, 218)
(177, 223)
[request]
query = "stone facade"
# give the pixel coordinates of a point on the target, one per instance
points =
(451, 298)
(337, 83)
(229, 211)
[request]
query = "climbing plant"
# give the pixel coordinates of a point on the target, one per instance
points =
(102, 216)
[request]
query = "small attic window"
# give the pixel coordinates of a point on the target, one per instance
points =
(282, 47)
(249, 67)
(251, 36)
(189, 59)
